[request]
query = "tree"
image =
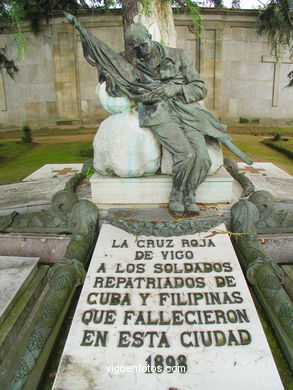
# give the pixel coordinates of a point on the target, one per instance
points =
(12, 11)
(10, 15)
(156, 15)
(276, 20)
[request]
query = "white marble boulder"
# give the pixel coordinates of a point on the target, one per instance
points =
(121, 147)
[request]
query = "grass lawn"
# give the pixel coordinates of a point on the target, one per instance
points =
(54, 132)
(259, 130)
(257, 151)
(18, 160)
(284, 146)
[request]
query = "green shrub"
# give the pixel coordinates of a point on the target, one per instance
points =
(243, 120)
(277, 135)
(27, 134)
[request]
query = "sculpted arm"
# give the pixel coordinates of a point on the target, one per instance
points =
(120, 75)
(193, 88)
(186, 86)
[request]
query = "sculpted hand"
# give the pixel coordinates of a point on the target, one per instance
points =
(167, 91)
(71, 18)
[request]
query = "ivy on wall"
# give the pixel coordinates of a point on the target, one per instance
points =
(275, 19)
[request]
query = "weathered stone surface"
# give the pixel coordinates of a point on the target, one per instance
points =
(125, 149)
(147, 142)
(14, 275)
(48, 248)
(18, 195)
(63, 278)
(278, 247)
(288, 280)
(64, 56)
(13, 327)
(121, 146)
(170, 302)
(49, 171)
(154, 190)
(268, 177)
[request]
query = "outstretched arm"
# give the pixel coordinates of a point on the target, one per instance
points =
(120, 74)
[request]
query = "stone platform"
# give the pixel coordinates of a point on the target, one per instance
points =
(155, 190)
(15, 273)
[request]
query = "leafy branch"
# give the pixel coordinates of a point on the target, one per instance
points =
(276, 20)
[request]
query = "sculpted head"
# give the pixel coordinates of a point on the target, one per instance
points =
(138, 39)
(264, 202)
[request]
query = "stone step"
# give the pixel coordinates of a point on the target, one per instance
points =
(278, 246)
(27, 346)
(49, 248)
(14, 320)
(109, 192)
(15, 274)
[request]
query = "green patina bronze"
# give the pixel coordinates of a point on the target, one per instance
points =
(55, 220)
(63, 278)
(168, 229)
(80, 219)
(265, 275)
(166, 89)
(244, 181)
(270, 220)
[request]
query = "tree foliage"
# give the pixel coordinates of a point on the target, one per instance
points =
(10, 14)
(276, 20)
(7, 63)
(35, 9)
(290, 77)
(12, 11)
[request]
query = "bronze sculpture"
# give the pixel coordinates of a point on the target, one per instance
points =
(167, 90)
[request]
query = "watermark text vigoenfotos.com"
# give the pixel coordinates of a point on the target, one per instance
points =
(144, 369)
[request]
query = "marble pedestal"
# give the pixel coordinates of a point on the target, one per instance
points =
(155, 190)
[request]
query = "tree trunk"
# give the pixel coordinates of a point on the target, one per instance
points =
(156, 15)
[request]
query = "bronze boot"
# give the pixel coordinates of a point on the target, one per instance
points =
(176, 204)
(190, 206)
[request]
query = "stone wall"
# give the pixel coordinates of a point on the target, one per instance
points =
(55, 85)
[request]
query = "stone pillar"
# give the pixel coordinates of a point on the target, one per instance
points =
(207, 64)
(211, 47)
(67, 94)
(2, 93)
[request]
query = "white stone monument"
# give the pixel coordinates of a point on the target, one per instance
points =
(165, 312)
